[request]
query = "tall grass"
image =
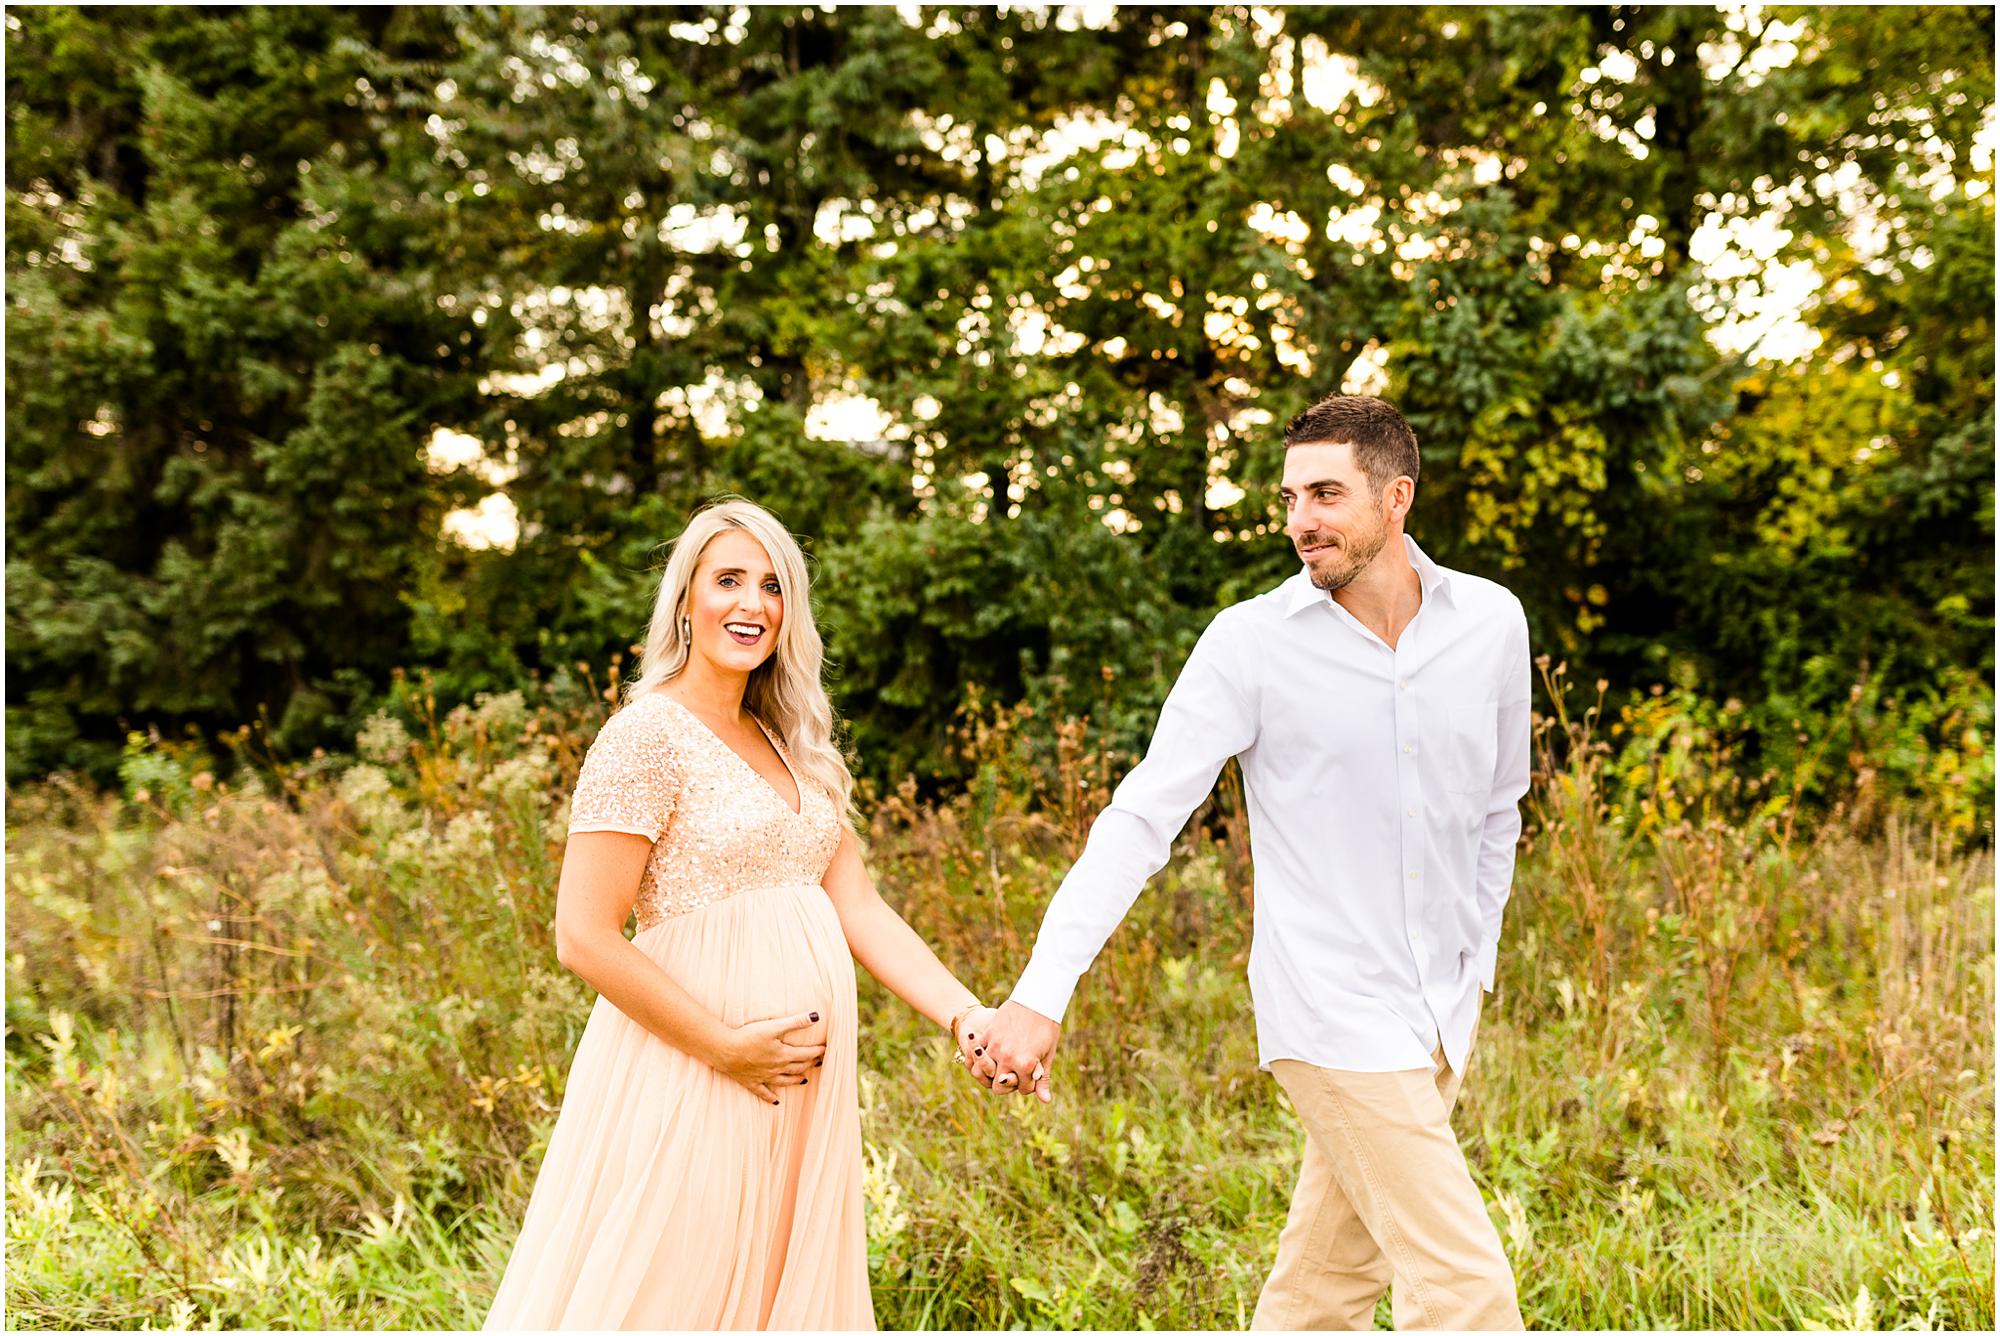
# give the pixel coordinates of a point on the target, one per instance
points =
(285, 1052)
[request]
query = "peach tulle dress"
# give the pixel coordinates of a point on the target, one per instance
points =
(671, 1197)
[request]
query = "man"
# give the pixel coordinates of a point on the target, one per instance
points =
(1378, 704)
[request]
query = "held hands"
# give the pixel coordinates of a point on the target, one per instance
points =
(762, 1056)
(972, 1023)
(1010, 1050)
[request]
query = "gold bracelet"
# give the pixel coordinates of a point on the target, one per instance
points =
(959, 1018)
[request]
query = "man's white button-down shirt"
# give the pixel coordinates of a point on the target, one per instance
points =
(1384, 788)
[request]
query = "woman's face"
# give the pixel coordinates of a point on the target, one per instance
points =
(734, 606)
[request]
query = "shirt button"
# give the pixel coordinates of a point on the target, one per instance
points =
(1404, 684)
(1413, 876)
(1407, 749)
(1410, 811)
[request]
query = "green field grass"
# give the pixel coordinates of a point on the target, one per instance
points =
(284, 1052)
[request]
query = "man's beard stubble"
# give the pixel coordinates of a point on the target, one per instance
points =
(1357, 553)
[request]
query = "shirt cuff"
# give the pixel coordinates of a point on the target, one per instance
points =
(1486, 962)
(1044, 990)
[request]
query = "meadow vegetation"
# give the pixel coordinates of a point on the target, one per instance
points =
(284, 1051)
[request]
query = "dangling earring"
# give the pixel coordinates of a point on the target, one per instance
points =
(687, 631)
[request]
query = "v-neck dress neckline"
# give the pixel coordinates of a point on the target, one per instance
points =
(776, 748)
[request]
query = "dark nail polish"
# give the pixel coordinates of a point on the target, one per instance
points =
(815, 1016)
(803, 1081)
(978, 1052)
(820, 1063)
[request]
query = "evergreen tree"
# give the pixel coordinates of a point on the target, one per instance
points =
(258, 257)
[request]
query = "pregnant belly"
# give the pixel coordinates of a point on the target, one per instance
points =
(763, 953)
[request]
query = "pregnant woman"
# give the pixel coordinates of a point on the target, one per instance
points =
(705, 1169)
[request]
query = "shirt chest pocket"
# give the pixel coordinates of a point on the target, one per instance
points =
(1463, 739)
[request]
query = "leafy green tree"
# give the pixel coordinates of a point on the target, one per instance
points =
(1079, 274)
(221, 365)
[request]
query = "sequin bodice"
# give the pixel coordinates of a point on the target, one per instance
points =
(717, 826)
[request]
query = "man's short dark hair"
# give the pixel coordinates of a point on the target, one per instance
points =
(1384, 445)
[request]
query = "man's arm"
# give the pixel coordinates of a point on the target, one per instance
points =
(1494, 878)
(1209, 716)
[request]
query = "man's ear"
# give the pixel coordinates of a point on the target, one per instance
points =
(1401, 495)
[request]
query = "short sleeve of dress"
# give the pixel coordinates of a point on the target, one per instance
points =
(630, 777)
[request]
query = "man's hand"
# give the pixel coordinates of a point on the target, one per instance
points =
(1015, 1051)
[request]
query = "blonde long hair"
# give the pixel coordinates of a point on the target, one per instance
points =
(785, 690)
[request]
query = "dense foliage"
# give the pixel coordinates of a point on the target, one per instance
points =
(1084, 263)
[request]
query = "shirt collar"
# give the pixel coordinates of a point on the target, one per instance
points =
(1435, 579)
(1300, 592)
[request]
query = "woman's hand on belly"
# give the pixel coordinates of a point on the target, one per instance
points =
(765, 1056)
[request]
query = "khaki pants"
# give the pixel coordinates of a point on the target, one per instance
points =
(1384, 1192)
